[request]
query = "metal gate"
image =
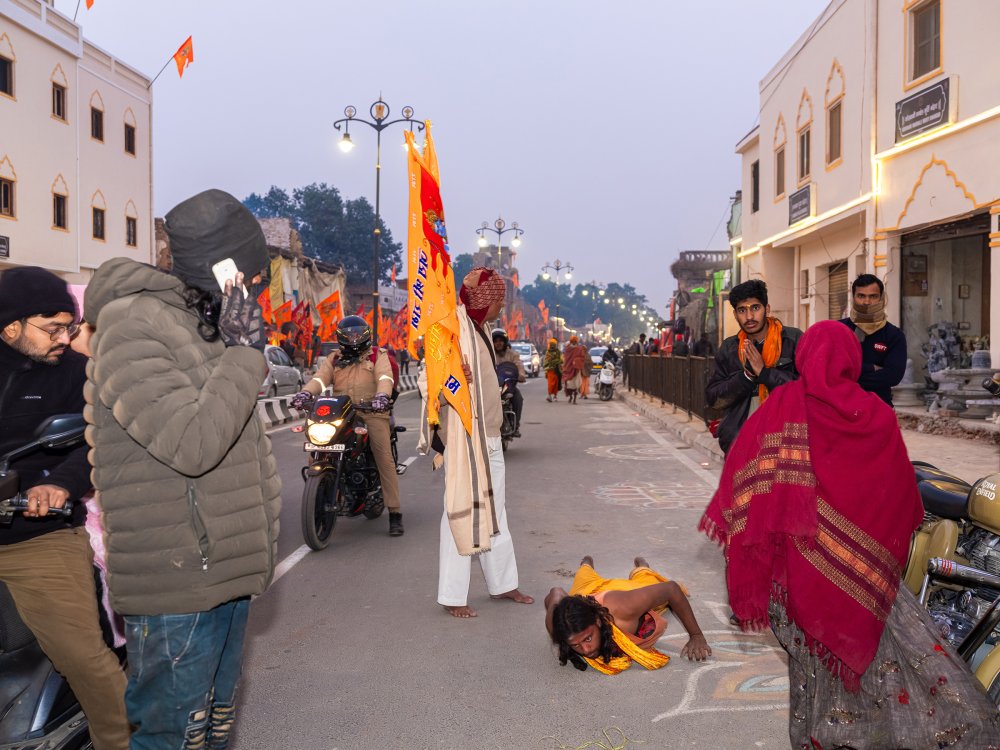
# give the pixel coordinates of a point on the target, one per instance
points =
(837, 296)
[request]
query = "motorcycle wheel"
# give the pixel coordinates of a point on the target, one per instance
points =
(319, 509)
(606, 393)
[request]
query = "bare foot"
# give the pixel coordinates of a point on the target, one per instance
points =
(464, 612)
(515, 596)
(587, 560)
(640, 562)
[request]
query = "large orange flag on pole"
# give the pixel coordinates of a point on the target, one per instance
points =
(330, 312)
(184, 56)
(432, 299)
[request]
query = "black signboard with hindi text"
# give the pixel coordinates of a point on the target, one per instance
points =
(800, 205)
(924, 110)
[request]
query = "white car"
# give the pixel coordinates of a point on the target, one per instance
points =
(283, 377)
(529, 357)
(597, 354)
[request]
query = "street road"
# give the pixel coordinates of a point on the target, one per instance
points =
(349, 650)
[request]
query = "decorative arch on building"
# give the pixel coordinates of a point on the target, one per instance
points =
(805, 107)
(97, 200)
(97, 101)
(934, 162)
(59, 186)
(129, 117)
(835, 84)
(60, 209)
(131, 211)
(7, 169)
(7, 48)
(59, 76)
(780, 134)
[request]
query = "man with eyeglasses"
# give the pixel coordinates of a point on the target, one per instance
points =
(46, 561)
(751, 364)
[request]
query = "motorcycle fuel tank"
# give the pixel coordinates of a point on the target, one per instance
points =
(984, 503)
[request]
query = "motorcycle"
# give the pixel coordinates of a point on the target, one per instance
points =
(341, 477)
(954, 566)
(507, 375)
(37, 707)
(606, 381)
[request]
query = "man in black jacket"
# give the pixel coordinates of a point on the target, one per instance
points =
(751, 364)
(883, 346)
(46, 561)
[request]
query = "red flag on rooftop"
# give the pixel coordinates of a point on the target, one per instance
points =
(183, 56)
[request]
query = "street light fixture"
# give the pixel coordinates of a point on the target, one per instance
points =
(557, 267)
(499, 228)
(379, 111)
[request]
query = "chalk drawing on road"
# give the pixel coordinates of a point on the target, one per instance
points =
(632, 452)
(615, 738)
(674, 495)
(746, 673)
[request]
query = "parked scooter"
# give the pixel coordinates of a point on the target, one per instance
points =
(507, 375)
(342, 478)
(37, 707)
(954, 566)
(606, 381)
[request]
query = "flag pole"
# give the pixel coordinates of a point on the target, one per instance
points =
(169, 59)
(76, 11)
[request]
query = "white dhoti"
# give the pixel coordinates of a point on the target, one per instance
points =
(499, 565)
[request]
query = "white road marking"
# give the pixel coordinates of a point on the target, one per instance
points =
(289, 562)
(410, 460)
(699, 471)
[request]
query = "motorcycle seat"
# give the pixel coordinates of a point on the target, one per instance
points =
(925, 472)
(944, 499)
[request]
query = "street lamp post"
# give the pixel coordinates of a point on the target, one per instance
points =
(500, 228)
(558, 266)
(597, 291)
(379, 111)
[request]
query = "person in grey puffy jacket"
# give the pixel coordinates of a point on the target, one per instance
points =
(186, 479)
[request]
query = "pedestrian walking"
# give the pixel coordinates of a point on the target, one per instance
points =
(588, 368)
(703, 347)
(574, 356)
(607, 623)
(552, 364)
(188, 485)
(883, 345)
(752, 364)
(815, 508)
(475, 474)
(46, 561)
(403, 357)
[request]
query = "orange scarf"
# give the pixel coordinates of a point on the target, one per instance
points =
(771, 353)
(651, 659)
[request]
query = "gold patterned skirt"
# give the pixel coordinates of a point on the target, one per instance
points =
(917, 694)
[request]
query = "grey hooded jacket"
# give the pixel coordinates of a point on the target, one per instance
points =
(185, 475)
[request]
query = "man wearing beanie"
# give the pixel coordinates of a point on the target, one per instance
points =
(188, 485)
(883, 345)
(46, 561)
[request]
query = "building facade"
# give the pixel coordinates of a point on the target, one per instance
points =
(869, 157)
(75, 147)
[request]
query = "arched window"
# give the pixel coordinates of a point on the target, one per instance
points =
(803, 137)
(97, 117)
(780, 139)
(99, 210)
(60, 204)
(129, 131)
(60, 88)
(8, 189)
(131, 225)
(7, 61)
(833, 100)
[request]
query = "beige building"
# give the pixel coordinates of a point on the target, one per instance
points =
(870, 157)
(75, 147)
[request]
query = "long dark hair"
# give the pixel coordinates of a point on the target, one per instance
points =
(208, 306)
(574, 614)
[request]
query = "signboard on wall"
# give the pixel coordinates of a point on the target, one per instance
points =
(800, 204)
(925, 110)
(4, 247)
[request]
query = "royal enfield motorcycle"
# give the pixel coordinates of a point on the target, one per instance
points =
(341, 477)
(37, 707)
(954, 566)
(606, 381)
(507, 375)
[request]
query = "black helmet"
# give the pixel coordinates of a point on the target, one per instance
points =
(500, 333)
(354, 336)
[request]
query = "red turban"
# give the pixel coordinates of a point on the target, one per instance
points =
(480, 289)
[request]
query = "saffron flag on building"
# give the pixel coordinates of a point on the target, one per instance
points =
(264, 300)
(90, 4)
(432, 299)
(184, 56)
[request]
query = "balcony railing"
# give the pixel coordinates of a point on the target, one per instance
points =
(679, 381)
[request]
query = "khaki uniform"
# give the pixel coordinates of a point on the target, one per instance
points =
(361, 381)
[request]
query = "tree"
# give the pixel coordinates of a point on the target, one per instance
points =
(460, 266)
(332, 229)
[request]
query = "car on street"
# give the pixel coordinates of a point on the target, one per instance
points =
(596, 354)
(529, 357)
(282, 377)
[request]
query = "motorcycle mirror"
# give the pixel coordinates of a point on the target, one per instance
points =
(58, 431)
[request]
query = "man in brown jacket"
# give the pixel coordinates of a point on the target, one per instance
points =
(365, 374)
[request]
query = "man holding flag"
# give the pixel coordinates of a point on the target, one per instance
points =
(462, 396)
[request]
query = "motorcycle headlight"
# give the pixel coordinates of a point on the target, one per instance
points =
(321, 433)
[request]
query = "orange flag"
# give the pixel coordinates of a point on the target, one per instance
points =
(330, 312)
(264, 300)
(184, 55)
(394, 274)
(283, 314)
(90, 4)
(544, 309)
(432, 299)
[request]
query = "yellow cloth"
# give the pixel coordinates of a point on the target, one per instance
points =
(587, 582)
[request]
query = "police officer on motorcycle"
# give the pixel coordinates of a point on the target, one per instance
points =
(501, 345)
(364, 373)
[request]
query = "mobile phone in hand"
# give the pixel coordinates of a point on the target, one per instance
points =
(226, 270)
